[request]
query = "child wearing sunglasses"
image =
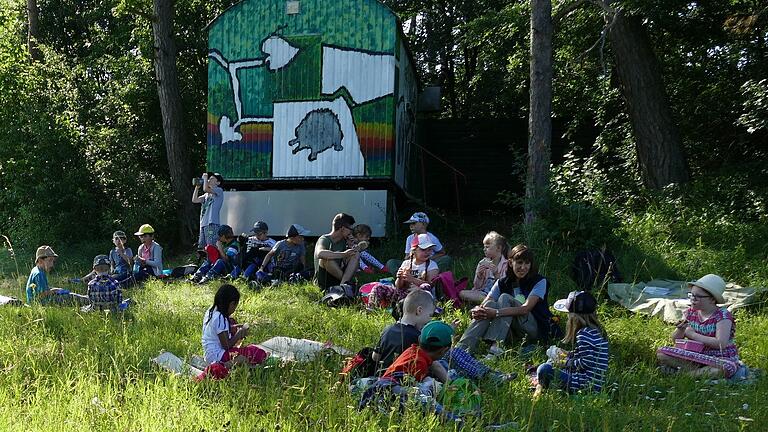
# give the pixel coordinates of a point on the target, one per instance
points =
(710, 327)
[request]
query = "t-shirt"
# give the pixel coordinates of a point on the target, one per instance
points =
(214, 323)
(414, 361)
(588, 361)
(288, 255)
(255, 243)
(438, 246)
(36, 284)
(118, 263)
(539, 290)
(417, 270)
(209, 212)
(393, 341)
(326, 241)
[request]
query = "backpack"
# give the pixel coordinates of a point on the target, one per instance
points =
(339, 295)
(446, 288)
(461, 397)
(594, 268)
(359, 366)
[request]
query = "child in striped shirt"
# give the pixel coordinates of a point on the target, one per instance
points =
(584, 367)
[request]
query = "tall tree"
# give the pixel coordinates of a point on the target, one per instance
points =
(659, 149)
(540, 115)
(179, 164)
(33, 30)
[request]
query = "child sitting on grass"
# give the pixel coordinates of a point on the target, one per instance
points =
(414, 273)
(418, 223)
(710, 325)
(37, 284)
(149, 256)
(222, 337)
(290, 258)
(104, 291)
(359, 240)
(418, 308)
(490, 269)
(228, 249)
(583, 368)
(256, 249)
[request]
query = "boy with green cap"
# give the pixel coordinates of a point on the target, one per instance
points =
(415, 362)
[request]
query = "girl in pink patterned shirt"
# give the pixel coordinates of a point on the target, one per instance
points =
(711, 326)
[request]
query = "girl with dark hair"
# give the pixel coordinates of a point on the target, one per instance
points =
(515, 308)
(222, 336)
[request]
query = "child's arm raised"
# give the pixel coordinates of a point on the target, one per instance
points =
(228, 341)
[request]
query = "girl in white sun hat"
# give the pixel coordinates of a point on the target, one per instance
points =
(704, 339)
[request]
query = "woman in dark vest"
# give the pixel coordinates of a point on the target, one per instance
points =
(515, 308)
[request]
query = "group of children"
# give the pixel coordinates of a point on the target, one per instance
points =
(417, 351)
(111, 273)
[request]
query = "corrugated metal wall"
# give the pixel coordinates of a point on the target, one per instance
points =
(302, 96)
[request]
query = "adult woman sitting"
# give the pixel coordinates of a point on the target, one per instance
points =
(515, 308)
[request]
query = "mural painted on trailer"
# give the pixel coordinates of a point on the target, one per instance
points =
(285, 105)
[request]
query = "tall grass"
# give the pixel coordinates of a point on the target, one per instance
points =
(63, 370)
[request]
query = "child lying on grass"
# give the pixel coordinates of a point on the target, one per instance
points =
(222, 337)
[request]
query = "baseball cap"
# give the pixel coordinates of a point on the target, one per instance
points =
(576, 302)
(260, 226)
(44, 252)
(119, 234)
(418, 217)
(297, 230)
(436, 334)
(145, 229)
(100, 260)
(422, 241)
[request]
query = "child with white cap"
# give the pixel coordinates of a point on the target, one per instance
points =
(418, 223)
(713, 353)
(584, 367)
(414, 273)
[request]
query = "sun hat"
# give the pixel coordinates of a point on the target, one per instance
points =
(100, 260)
(260, 226)
(436, 334)
(418, 217)
(145, 229)
(576, 302)
(422, 241)
(297, 230)
(713, 284)
(44, 252)
(119, 234)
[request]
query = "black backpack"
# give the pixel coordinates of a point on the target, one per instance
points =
(339, 295)
(595, 268)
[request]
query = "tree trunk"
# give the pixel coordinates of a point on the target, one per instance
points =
(540, 116)
(33, 30)
(179, 166)
(659, 150)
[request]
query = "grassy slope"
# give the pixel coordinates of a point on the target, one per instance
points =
(63, 370)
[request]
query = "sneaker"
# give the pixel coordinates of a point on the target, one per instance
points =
(495, 350)
(204, 280)
(499, 378)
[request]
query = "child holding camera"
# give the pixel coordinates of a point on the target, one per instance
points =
(211, 200)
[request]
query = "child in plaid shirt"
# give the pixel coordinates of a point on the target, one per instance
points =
(103, 290)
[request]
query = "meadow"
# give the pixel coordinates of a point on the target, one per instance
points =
(63, 370)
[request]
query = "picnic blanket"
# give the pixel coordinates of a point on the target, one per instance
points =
(668, 299)
(292, 349)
